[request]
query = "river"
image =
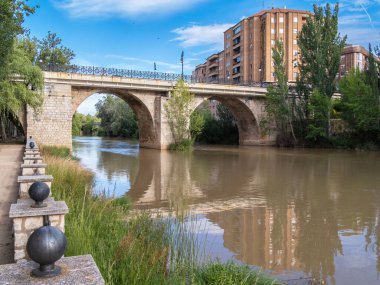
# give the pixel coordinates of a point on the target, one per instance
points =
(293, 212)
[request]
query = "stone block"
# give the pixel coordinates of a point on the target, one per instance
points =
(24, 210)
(17, 224)
(33, 169)
(19, 254)
(78, 270)
(20, 239)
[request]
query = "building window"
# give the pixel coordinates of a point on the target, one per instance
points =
(228, 36)
(227, 73)
(281, 19)
(294, 42)
(295, 31)
(237, 30)
(236, 70)
(295, 74)
(228, 64)
(273, 31)
(273, 42)
(228, 45)
(281, 31)
(272, 20)
(273, 74)
(295, 53)
(295, 19)
(295, 64)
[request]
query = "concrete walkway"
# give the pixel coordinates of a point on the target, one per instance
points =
(10, 162)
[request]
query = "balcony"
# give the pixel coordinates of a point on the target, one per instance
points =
(236, 41)
(236, 70)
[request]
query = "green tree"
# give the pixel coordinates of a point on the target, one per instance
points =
(178, 111)
(360, 104)
(16, 94)
(12, 13)
(50, 50)
(278, 104)
(197, 122)
(320, 49)
(117, 118)
(77, 124)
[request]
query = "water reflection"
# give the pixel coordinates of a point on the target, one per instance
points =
(294, 212)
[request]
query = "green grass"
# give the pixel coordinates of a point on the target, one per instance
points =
(184, 146)
(131, 249)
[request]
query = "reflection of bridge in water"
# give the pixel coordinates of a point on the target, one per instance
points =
(146, 93)
(283, 211)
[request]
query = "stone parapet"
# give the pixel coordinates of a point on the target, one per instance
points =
(27, 219)
(32, 160)
(33, 169)
(27, 181)
(75, 270)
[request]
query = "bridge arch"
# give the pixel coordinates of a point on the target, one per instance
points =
(143, 110)
(244, 114)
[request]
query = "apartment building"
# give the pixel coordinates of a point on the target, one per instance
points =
(247, 54)
(353, 56)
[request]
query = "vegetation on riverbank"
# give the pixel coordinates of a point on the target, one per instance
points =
(304, 118)
(136, 250)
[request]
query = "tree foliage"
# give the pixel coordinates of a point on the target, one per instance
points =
(48, 50)
(320, 47)
(12, 13)
(360, 101)
(117, 118)
(278, 103)
(178, 111)
(86, 125)
(20, 82)
(221, 129)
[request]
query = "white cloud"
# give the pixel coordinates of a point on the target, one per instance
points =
(124, 8)
(210, 35)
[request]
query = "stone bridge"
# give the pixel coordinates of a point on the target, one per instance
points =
(65, 91)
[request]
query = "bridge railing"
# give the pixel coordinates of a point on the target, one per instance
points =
(102, 71)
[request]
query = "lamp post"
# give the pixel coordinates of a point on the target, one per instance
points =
(182, 54)
(261, 77)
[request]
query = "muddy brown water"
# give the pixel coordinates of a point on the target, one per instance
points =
(295, 213)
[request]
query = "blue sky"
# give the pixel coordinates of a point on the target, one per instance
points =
(133, 34)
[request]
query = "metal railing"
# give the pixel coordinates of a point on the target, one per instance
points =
(102, 71)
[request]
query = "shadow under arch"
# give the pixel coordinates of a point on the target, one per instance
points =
(146, 125)
(249, 131)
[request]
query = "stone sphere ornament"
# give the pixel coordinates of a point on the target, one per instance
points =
(39, 191)
(32, 145)
(45, 246)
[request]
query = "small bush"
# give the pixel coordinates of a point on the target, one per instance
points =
(185, 145)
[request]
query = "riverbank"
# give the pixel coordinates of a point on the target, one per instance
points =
(141, 250)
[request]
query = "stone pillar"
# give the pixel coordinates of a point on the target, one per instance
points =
(53, 125)
(27, 219)
(27, 181)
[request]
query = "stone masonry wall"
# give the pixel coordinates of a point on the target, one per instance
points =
(52, 126)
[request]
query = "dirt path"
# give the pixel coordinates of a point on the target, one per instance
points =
(10, 162)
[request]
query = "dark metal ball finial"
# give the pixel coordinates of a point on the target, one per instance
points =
(45, 246)
(32, 145)
(39, 191)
